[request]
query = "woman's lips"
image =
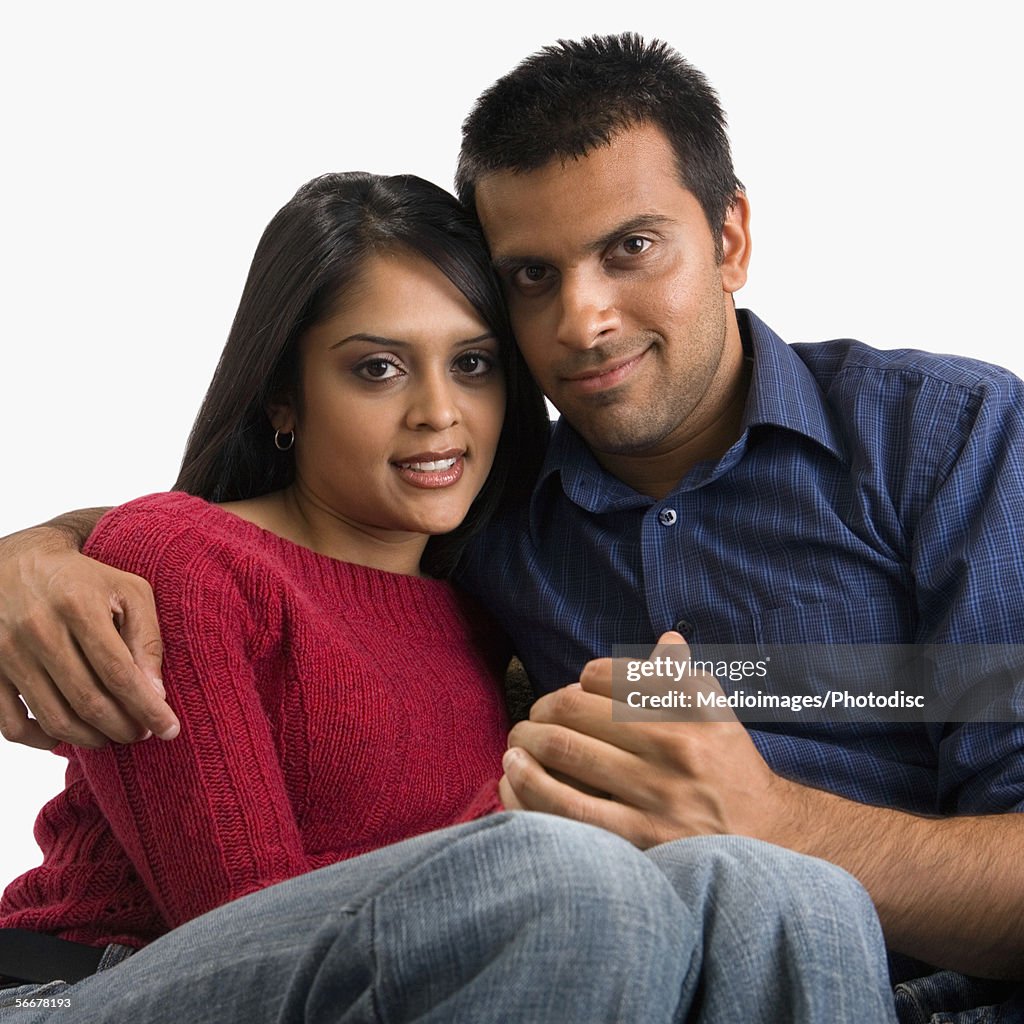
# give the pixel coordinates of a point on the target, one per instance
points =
(430, 470)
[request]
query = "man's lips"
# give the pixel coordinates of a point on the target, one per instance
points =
(431, 469)
(603, 377)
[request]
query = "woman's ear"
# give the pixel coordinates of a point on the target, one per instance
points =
(281, 411)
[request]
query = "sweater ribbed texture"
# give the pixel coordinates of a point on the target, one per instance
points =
(327, 709)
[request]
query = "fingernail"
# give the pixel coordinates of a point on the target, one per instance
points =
(158, 685)
(170, 732)
(509, 758)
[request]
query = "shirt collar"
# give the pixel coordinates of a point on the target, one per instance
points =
(783, 393)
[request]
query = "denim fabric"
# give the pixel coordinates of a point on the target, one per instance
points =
(516, 917)
(784, 937)
(950, 998)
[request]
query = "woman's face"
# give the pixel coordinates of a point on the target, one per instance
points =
(402, 402)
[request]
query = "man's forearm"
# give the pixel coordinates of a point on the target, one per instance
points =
(949, 891)
(75, 526)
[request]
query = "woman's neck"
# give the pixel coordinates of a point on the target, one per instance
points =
(300, 518)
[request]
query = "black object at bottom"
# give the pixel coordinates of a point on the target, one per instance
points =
(27, 956)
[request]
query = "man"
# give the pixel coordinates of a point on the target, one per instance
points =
(756, 493)
(707, 477)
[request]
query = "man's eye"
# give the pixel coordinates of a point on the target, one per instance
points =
(378, 369)
(635, 245)
(531, 274)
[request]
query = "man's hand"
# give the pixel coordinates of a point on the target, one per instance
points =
(949, 891)
(663, 779)
(79, 642)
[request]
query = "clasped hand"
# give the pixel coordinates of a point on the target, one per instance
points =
(651, 781)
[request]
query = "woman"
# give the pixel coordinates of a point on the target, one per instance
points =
(346, 443)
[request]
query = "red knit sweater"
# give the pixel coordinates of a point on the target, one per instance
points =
(326, 709)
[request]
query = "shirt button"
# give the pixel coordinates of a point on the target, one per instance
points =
(667, 517)
(685, 627)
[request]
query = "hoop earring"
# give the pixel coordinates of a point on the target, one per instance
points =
(277, 440)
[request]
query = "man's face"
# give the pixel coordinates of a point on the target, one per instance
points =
(619, 304)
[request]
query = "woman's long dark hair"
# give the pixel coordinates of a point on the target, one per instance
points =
(311, 251)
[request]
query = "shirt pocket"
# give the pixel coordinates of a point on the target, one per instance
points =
(877, 615)
(861, 644)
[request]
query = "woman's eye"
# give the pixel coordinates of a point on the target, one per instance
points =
(378, 369)
(474, 364)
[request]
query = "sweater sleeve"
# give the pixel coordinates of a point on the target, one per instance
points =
(485, 801)
(205, 818)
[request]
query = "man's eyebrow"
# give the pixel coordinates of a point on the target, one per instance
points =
(643, 222)
(379, 339)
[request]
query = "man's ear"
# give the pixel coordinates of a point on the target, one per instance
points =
(736, 244)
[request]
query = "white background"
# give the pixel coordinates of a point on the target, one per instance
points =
(144, 153)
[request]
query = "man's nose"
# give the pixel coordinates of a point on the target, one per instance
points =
(588, 308)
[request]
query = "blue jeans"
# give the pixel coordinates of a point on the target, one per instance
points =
(945, 997)
(516, 917)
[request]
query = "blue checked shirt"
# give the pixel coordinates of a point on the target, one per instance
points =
(872, 497)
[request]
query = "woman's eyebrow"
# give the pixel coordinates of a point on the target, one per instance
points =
(486, 336)
(374, 339)
(378, 339)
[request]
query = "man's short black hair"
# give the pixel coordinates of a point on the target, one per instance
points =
(568, 99)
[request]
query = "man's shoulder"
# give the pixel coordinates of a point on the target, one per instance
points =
(848, 360)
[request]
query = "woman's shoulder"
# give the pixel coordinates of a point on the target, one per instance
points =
(150, 507)
(172, 534)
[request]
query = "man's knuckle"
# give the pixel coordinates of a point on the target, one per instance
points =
(580, 809)
(35, 627)
(88, 704)
(70, 598)
(12, 729)
(559, 745)
(82, 615)
(117, 676)
(567, 701)
(154, 647)
(57, 724)
(139, 587)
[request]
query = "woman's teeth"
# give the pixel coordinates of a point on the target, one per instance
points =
(429, 467)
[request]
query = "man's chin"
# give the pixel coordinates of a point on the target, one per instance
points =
(619, 437)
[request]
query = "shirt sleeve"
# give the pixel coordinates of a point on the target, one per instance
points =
(968, 564)
(205, 818)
